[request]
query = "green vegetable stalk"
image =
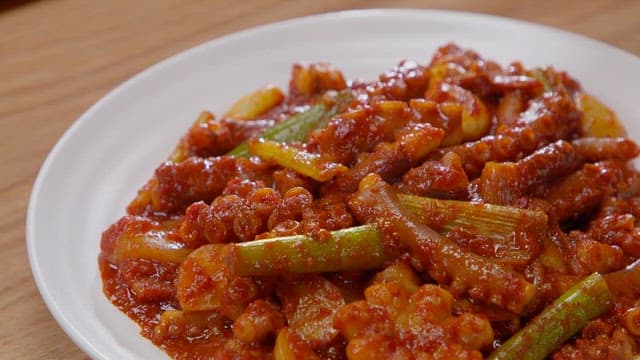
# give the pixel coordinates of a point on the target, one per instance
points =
(492, 221)
(356, 248)
(558, 322)
(483, 279)
(305, 163)
(343, 250)
(298, 126)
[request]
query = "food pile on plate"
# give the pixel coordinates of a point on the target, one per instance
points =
(449, 209)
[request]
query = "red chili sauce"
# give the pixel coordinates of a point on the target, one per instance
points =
(429, 214)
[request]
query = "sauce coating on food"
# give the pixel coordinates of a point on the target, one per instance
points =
(455, 209)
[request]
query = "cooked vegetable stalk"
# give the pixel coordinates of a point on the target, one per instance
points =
(465, 272)
(151, 245)
(256, 103)
(305, 163)
(597, 119)
(357, 248)
(491, 221)
(179, 324)
(298, 126)
(344, 248)
(558, 322)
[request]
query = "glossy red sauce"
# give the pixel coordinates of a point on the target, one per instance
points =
(453, 284)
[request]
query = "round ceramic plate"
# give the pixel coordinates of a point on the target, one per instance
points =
(101, 161)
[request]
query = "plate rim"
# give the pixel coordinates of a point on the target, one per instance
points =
(52, 303)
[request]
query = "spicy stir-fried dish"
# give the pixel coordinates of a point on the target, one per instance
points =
(456, 209)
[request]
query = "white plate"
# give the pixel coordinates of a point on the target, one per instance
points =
(100, 162)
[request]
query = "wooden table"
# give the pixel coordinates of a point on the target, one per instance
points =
(59, 57)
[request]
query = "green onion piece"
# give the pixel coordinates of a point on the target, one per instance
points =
(558, 322)
(356, 248)
(298, 126)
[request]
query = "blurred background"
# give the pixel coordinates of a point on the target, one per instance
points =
(58, 57)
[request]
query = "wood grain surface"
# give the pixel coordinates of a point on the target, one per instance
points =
(58, 57)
